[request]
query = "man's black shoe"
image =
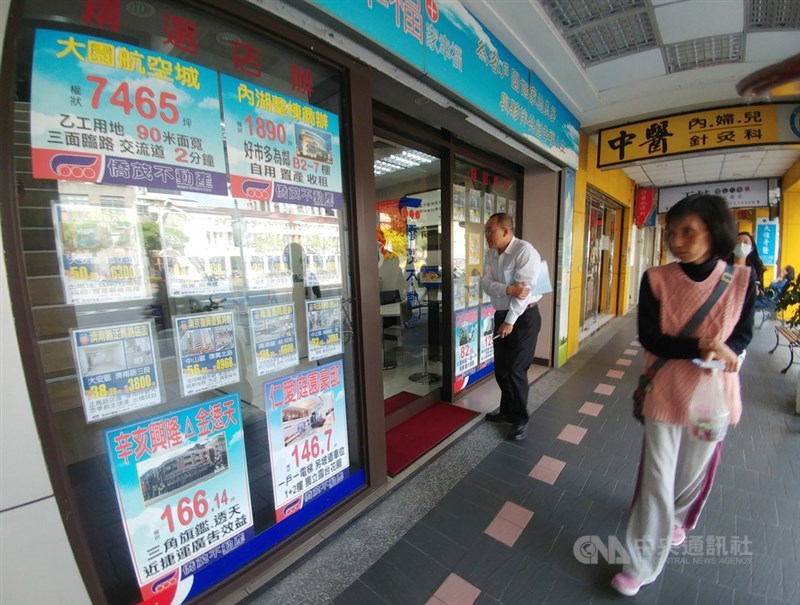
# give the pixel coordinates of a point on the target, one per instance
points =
(497, 417)
(519, 433)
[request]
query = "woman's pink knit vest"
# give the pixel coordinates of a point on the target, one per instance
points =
(679, 298)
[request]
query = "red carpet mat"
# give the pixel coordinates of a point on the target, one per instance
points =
(406, 442)
(395, 402)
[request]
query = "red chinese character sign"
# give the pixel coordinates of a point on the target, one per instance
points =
(307, 428)
(107, 112)
(182, 487)
(645, 207)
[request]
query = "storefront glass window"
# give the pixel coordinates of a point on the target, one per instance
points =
(184, 219)
(478, 192)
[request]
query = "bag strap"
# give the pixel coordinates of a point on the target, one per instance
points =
(698, 317)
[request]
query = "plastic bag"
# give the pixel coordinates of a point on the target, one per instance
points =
(708, 410)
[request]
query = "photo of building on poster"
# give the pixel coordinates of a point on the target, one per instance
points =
(274, 338)
(307, 430)
(486, 349)
(488, 206)
(512, 208)
(118, 368)
(501, 204)
(108, 112)
(324, 324)
(99, 253)
(198, 248)
(474, 206)
(206, 347)
(474, 288)
(459, 203)
(279, 148)
(466, 341)
(182, 487)
(459, 293)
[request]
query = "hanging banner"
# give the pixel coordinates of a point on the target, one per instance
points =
(307, 429)
(487, 336)
(206, 346)
(466, 341)
(767, 240)
(645, 209)
(280, 149)
(324, 324)
(199, 247)
(107, 112)
(182, 488)
(118, 368)
(99, 253)
(274, 338)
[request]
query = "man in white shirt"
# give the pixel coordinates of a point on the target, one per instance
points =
(511, 267)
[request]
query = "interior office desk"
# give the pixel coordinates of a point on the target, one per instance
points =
(390, 310)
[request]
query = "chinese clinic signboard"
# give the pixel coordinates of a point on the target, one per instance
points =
(738, 194)
(709, 130)
(107, 112)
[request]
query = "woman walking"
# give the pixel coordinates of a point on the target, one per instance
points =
(676, 471)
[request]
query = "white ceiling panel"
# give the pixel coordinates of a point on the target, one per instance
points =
(692, 19)
(634, 86)
(633, 68)
(771, 46)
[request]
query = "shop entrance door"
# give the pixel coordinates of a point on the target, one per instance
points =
(409, 256)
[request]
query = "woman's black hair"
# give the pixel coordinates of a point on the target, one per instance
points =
(753, 259)
(713, 211)
(789, 272)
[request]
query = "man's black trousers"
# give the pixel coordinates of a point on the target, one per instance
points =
(513, 356)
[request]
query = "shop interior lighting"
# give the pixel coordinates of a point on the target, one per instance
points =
(400, 161)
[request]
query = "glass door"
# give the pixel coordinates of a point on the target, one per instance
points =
(409, 256)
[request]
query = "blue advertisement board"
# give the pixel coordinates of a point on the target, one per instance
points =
(446, 42)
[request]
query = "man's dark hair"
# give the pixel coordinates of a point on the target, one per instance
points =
(713, 211)
(503, 220)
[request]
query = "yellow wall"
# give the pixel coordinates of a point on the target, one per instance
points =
(790, 218)
(615, 184)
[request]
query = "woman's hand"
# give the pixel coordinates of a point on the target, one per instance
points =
(711, 348)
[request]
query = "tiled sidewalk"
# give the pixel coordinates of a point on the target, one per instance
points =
(512, 527)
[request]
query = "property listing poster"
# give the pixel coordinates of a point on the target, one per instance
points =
(280, 149)
(118, 368)
(263, 246)
(512, 208)
(307, 428)
(107, 112)
(474, 206)
(474, 288)
(206, 346)
(487, 336)
(324, 324)
(488, 206)
(99, 253)
(474, 256)
(459, 203)
(200, 247)
(274, 338)
(459, 292)
(501, 204)
(182, 488)
(466, 341)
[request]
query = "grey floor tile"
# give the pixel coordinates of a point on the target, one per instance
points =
(393, 586)
(436, 545)
(709, 593)
(425, 571)
(492, 566)
(678, 588)
(745, 598)
(532, 584)
(360, 593)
